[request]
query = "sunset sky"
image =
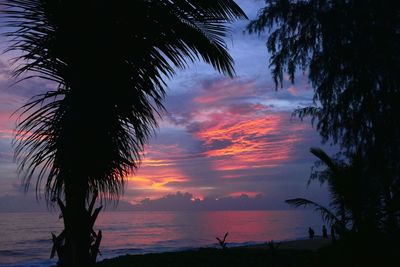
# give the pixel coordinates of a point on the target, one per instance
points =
(220, 137)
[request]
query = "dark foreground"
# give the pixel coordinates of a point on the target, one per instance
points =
(214, 257)
(326, 256)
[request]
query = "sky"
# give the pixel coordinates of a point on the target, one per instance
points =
(222, 140)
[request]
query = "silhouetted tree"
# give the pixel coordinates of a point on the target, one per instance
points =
(350, 51)
(334, 175)
(353, 202)
(109, 61)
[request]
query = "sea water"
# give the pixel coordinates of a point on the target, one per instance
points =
(25, 238)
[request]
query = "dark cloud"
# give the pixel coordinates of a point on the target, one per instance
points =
(186, 201)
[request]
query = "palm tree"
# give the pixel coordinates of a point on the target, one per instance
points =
(109, 61)
(333, 175)
(336, 177)
(355, 199)
(327, 215)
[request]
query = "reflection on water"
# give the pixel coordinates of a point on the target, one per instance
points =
(25, 237)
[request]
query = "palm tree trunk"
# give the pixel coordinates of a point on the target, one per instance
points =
(76, 223)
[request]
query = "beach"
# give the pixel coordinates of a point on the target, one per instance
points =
(292, 253)
(302, 252)
(298, 244)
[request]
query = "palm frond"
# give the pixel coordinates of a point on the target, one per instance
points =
(105, 108)
(328, 216)
(319, 153)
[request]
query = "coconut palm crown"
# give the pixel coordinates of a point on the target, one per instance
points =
(109, 61)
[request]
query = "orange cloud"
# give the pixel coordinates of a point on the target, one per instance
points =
(228, 133)
(158, 173)
(245, 143)
(156, 179)
(148, 162)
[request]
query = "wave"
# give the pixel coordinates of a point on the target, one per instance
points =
(141, 233)
(41, 263)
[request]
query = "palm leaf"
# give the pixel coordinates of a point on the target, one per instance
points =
(319, 153)
(105, 108)
(327, 216)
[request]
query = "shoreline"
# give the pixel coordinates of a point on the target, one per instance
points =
(301, 243)
(293, 244)
(290, 252)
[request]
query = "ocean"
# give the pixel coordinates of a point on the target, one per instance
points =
(25, 238)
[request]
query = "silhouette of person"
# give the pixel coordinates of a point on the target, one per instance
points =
(311, 233)
(324, 232)
(333, 237)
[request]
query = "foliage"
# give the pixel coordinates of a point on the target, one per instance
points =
(350, 52)
(109, 61)
(110, 72)
(326, 214)
(222, 242)
(354, 202)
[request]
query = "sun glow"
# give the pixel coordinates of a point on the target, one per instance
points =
(227, 136)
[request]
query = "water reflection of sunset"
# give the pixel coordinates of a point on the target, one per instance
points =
(142, 230)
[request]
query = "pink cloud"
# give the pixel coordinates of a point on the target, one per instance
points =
(248, 143)
(225, 89)
(235, 136)
(8, 105)
(293, 90)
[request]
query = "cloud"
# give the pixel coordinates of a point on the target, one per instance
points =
(222, 91)
(12, 97)
(221, 137)
(235, 128)
(224, 138)
(186, 201)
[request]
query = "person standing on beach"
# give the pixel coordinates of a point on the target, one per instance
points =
(311, 233)
(333, 237)
(324, 232)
